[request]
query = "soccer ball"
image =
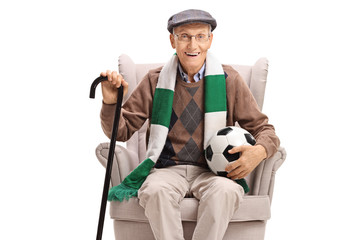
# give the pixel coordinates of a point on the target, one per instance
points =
(216, 152)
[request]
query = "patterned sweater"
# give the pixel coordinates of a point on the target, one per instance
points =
(184, 144)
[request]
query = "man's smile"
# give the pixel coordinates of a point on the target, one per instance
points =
(192, 54)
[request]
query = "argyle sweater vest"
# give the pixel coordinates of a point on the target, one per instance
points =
(185, 140)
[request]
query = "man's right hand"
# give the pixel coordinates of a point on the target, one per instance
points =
(109, 88)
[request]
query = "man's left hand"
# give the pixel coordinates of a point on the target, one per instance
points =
(250, 158)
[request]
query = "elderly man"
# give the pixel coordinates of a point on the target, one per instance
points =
(187, 100)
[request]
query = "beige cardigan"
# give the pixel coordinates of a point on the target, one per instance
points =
(241, 108)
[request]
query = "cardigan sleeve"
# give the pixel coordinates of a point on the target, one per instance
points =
(243, 109)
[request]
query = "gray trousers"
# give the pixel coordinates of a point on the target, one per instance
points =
(161, 194)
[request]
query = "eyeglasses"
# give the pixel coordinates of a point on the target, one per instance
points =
(187, 38)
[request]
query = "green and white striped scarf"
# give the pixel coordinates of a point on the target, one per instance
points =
(215, 119)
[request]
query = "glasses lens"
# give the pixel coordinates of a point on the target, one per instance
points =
(184, 37)
(187, 38)
(202, 37)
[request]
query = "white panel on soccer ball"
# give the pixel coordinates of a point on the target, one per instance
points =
(237, 137)
(218, 163)
(218, 144)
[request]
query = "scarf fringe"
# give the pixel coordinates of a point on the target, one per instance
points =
(121, 192)
(132, 183)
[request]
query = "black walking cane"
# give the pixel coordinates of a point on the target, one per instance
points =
(111, 152)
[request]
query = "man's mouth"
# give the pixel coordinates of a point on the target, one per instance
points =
(192, 54)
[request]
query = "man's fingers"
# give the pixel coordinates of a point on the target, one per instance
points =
(231, 166)
(118, 82)
(237, 149)
(108, 74)
(124, 83)
(240, 175)
(237, 173)
(114, 79)
(235, 164)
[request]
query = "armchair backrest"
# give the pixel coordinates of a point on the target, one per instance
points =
(255, 76)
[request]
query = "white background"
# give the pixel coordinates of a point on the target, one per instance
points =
(51, 51)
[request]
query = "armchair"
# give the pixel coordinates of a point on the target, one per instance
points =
(250, 219)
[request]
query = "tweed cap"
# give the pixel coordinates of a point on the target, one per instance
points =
(190, 16)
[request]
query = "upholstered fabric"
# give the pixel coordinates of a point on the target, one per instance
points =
(189, 206)
(251, 230)
(248, 222)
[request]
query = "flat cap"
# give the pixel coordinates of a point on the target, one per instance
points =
(190, 16)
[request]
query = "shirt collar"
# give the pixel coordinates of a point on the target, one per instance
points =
(197, 77)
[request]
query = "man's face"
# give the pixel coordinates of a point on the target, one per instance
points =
(191, 54)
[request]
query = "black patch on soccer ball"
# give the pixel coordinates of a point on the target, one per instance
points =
(208, 153)
(250, 139)
(230, 157)
(224, 131)
(222, 173)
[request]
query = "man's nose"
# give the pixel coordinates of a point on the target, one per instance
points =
(193, 43)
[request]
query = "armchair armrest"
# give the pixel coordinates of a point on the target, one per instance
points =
(264, 175)
(124, 161)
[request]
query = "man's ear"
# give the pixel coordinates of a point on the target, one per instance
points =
(211, 38)
(172, 41)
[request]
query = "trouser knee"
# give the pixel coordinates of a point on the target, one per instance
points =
(225, 191)
(158, 193)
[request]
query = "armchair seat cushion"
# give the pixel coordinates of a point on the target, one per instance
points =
(253, 208)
